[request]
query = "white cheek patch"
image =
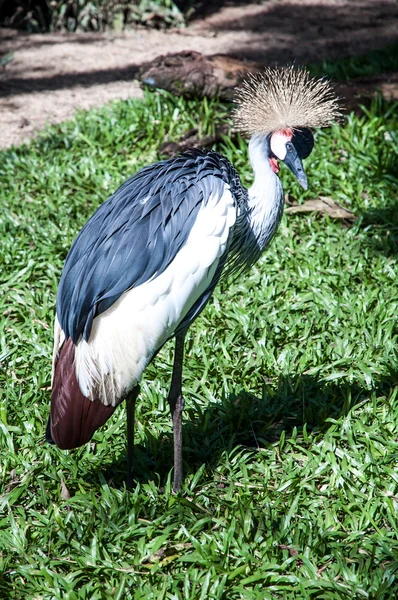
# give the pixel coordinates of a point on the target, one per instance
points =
(278, 142)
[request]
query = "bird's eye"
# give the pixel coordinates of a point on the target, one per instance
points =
(289, 147)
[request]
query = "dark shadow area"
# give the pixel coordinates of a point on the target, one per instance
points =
(381, 222)
(311, 33)
(202, 9)
(243, 420)
(19, 13)
(291, 17)
(23, 85)
(382, 229)
(25, 40)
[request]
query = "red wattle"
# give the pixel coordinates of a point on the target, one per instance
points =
(274, 165)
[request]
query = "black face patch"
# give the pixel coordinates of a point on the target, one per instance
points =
(303, 141)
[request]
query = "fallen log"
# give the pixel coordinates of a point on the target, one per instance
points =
(191, 73)
(194, 74)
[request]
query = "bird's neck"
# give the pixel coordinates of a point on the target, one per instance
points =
(265, 196)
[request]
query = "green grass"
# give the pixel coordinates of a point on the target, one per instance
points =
(291, 421)
(373, 62)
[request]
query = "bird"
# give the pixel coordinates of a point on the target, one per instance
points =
(148, 260)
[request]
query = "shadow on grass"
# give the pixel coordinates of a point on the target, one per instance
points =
(380, 223)
(243, 420)
(381, 226)
(382, 229)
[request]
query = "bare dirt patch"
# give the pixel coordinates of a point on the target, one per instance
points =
(52, 75)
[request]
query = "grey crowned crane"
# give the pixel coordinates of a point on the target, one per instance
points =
(146, 263)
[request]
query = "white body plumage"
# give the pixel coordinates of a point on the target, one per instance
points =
(124, 338)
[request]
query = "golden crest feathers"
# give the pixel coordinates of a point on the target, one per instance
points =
(281, 98)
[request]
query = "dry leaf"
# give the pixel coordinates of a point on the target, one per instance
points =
(65, 493)
(14, 481)
(324, 205)
(155, 557)
(165, 555)
(292, 551)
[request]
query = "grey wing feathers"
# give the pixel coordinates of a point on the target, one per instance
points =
(135, 235)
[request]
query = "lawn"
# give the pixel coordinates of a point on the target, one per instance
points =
(291, 421)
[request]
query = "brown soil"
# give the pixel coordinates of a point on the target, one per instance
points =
(52, 75)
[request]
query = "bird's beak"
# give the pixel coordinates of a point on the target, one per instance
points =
(293, 161)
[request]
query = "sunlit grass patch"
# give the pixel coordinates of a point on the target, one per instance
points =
(291, 426)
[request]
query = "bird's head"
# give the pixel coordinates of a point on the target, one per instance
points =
(291, 146)
(281, 105)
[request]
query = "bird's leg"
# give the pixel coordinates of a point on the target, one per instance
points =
(130, 402)
(176, 402)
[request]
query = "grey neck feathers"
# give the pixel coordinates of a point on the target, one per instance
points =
(259, 215)
(265, 196)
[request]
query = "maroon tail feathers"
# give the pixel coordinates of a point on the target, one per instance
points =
(74, 418)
